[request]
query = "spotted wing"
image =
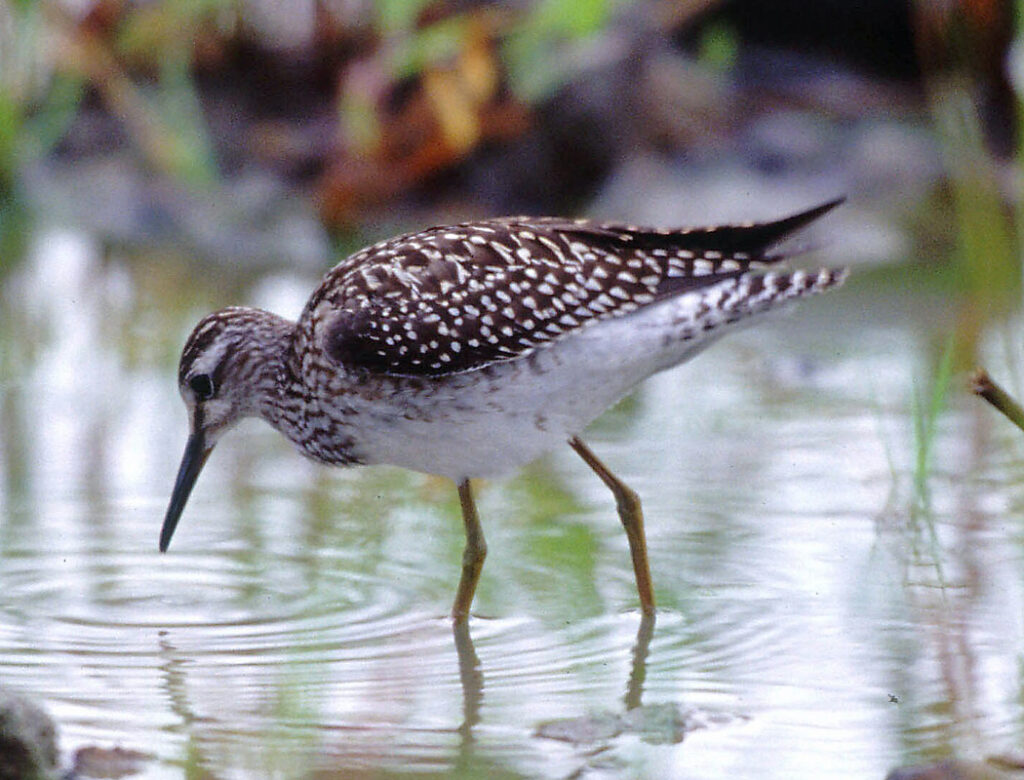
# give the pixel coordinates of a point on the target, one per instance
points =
(457, 298)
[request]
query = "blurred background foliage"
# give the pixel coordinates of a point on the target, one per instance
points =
(223, 124)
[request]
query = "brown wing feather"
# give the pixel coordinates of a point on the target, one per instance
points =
(457, 298)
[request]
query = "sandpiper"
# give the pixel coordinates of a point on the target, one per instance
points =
(468, 350)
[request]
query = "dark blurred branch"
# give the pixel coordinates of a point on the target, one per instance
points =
(982, 384)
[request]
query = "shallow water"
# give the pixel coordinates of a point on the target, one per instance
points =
(812, 622)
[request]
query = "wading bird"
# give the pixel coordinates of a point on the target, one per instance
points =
(469, 350)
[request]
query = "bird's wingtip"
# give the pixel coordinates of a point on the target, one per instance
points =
(798, 220)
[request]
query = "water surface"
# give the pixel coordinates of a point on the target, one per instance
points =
(818, 617)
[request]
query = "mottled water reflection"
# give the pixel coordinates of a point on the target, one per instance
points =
(816, 612)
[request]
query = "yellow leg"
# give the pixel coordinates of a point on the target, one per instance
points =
(472, 557)
(632, 517)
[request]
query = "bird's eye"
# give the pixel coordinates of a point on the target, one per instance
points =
(202, 386)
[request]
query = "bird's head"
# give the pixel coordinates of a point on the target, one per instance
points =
(227, 371)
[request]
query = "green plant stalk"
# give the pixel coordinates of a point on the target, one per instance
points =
(988, 265)
(926, 421)
(925, 428)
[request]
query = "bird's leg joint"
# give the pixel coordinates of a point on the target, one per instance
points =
(474, 554)
(627, 500)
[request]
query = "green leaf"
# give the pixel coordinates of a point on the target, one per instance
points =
(10, 127)
(718, 47)
(53, 118)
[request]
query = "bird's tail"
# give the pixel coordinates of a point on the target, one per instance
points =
(755, 293)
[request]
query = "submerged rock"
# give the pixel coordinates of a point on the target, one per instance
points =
(655, 724)
(993, 768)
(28, 740)
(111, 763)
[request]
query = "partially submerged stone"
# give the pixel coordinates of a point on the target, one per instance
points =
(28, 740)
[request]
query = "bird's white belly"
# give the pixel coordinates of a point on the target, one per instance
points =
(477, 445)
(488, 422)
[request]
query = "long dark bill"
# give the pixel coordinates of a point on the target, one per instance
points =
(196, 453)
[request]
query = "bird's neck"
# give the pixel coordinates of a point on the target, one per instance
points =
(281, 396)
(264, 368)
(271, 382)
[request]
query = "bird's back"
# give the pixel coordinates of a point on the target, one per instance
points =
(453, 299)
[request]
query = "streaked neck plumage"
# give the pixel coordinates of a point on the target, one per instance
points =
(285, 390)
(249, 356)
